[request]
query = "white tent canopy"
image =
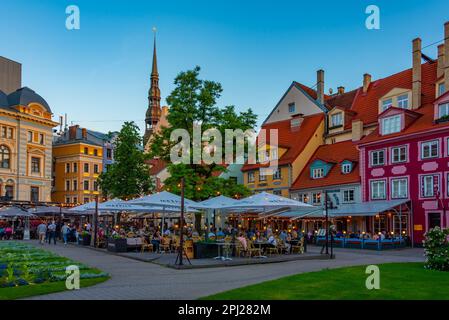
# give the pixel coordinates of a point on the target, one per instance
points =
(114, 205)
(266, 201)
(167, 201)
(15, 212)
(217, 203)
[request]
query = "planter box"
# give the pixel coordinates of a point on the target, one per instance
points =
(86, 240)
(117, 245)
(205, 250)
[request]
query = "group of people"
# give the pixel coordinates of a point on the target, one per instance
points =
(364, 235)
(6, 232)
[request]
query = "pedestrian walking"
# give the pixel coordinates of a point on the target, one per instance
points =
(42, 231)
(52, 232)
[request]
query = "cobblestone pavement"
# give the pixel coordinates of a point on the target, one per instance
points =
(131, 279)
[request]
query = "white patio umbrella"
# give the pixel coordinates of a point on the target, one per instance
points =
(266, 201)
(216, 204)
(114, 205)
(167, 201)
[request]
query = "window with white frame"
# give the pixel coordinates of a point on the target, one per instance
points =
(441, 88)
(430, 149)
(378, 157)
(391, 124)
(378, 190)
(337, 119)
(399, 188)
(291, 107)
(316, 198)
(348, 195)
(317, 173)
(403, 101)
(399, 154)
(443, 110)
(277, 174)
(429, 184)
(387, 103)
(262, 174)
(303, 197)
(346, 168)
(251, 177)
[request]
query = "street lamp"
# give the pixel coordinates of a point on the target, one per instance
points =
(326, 214)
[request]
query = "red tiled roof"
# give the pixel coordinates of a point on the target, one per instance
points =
(425, 114)
(156, 166)
(366, 105)
(332, 153)
(343, 101)
(311, 92)
(293, 140)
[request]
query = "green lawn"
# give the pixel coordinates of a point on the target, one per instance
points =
(397, 281)
(27, 271)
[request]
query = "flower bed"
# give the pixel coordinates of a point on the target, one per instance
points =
(25, 265)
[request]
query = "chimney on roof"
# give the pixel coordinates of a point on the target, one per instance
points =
(84, 133)
(366, 82)
(446, 56)
(416, 87)
(357, 130)
(320, 86)
(72, 132)
(341, 90)
(296, 121)
(440, 67)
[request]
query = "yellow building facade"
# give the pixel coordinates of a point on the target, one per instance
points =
(25, 146)
(77, 163)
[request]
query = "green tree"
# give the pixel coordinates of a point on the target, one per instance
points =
(194, 101)
(128, 176)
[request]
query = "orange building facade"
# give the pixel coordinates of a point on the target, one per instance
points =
(77, 164)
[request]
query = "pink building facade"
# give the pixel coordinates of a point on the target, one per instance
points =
(411, 164)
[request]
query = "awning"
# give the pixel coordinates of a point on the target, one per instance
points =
(364, 209)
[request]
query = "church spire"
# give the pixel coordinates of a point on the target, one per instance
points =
(153, 113)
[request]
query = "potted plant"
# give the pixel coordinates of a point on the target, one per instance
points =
(117, 244)
(86, 238)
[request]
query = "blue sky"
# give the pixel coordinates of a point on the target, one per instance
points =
(99, 75)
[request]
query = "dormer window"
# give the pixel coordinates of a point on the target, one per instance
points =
(391, 124)
(337, 119)
(443, 110)
(387, 103)
(317, 173)
(403, 101)
(346, 168)
(291, 107)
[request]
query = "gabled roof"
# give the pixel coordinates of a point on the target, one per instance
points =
(366, 105)
(342, 101)
(310, 93)
(424, 114)
(293, 140)
(331, 153)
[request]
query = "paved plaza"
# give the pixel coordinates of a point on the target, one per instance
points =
(132, 279)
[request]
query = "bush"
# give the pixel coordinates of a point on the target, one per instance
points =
(436, 248)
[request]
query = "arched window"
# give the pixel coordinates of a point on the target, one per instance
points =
(5, 157)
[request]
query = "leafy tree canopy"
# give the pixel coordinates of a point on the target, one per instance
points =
(128, 176)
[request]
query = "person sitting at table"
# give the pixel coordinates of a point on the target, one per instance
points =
(156, 241)
(283, 235)
(294, 234)
(243, 241)
(272, 241)
(339, 234)
(220, 233)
